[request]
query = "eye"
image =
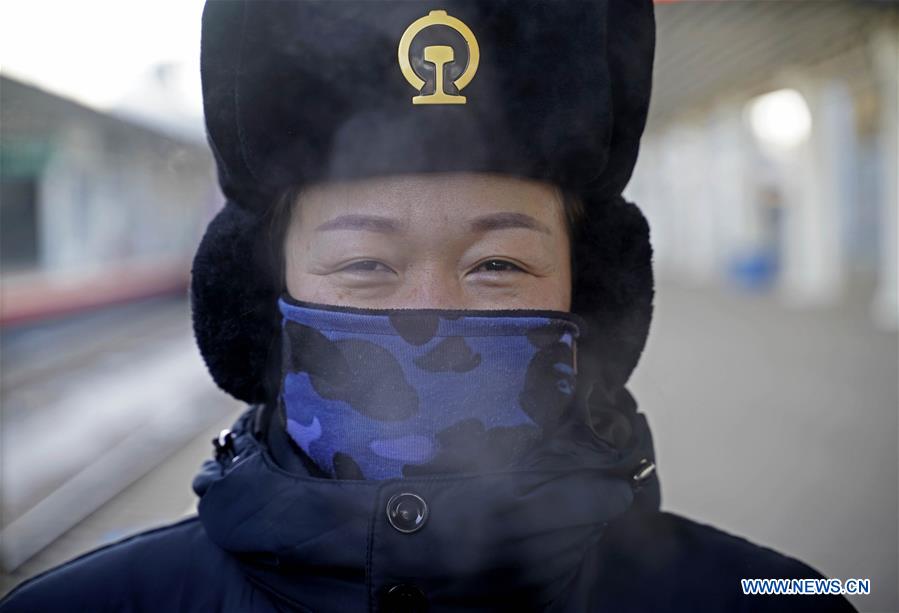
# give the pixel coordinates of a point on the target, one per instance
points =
(365, 266)
(497, 266)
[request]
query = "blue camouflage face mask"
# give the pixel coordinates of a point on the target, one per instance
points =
(387, 393)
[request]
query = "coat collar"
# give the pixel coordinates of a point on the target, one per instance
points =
(490, 540)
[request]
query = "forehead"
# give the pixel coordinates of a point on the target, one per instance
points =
(431, 197)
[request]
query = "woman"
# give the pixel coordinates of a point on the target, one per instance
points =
(427, 285)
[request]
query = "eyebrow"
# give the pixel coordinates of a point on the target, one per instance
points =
(502, 221)
(372, 223)
(387, 225)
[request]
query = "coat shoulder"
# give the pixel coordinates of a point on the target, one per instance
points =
(174, 567)
(688, 565)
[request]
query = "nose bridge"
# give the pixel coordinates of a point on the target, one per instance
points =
(434, 286)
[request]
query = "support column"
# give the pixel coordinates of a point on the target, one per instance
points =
(814, 267)
(885, 47)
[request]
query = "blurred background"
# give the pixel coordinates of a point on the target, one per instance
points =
(768, 173)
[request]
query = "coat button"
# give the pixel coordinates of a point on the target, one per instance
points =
(403, 598)
(407, 512)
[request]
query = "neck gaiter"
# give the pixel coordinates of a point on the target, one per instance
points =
(387, 393)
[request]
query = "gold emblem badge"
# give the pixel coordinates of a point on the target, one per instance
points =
(439, 55)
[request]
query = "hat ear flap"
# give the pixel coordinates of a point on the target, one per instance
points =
(235, 284)
(614, 288)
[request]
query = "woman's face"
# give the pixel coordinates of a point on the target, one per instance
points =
(448, 241)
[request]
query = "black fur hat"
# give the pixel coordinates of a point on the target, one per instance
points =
(297, 91)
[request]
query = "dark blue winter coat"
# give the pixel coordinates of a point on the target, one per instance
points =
(570, 532)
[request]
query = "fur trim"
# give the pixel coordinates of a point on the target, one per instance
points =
(233, 294)
(614, 289)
